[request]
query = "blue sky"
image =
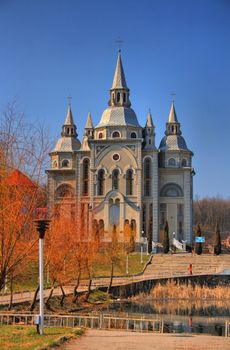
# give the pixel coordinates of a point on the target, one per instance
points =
(52, 48)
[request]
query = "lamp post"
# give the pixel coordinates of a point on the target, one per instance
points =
(127, 264)
(41, 226)
(142, 238)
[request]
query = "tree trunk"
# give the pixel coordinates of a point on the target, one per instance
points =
(50, 295)
(11, 294)
(89, 285)
(75, 295)
(63, 295)
(111, 279)
(32, 306)
(89, 289)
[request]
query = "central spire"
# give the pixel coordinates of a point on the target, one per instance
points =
(119, 81)
(119, 92)
(172, 126)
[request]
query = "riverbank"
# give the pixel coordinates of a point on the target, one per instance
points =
(122, 340)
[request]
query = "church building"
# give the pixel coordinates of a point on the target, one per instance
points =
(118, 176)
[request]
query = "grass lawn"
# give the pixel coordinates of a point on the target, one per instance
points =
(28, 280)
(26, 338)
(135, 266)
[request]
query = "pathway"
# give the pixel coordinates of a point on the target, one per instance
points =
(121, 340)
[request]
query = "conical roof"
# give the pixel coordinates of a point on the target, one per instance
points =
(149, 121)
(89, 122)
(172, 115)
(119, 81)
(69, 117)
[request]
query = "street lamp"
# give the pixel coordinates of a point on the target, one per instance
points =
(142, 238)
(41, 226)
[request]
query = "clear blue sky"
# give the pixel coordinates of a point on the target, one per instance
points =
(52, 48)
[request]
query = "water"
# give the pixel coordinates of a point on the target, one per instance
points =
(180, 316)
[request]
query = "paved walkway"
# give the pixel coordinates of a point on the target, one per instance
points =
(121, 340)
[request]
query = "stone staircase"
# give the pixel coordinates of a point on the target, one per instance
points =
(166, 265)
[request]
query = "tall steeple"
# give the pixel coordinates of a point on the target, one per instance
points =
(149, 133)
(119, 92)
(88, 134)
(69, 128)
(89, 126)
(172, 126)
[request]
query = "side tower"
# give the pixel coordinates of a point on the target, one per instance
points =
(175, 181)
(150, 195)
(116, 163)
(62, 175)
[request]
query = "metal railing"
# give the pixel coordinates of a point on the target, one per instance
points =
(91, 321)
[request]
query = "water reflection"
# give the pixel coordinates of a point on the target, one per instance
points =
(179, 316)
(174, 307)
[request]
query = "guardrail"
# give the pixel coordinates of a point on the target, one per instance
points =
(93, 321)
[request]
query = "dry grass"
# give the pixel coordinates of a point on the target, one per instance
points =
(173, 290)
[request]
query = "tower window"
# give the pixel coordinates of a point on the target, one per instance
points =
(129, 182)
(133, 135)
(118, 97)
(147, 177)
(149, 141)
(124, 98)
(184, 163)
(65, 163)
(101, 182)
(100, 135)
(116, 134)
(85, 191)
(172, 162)
(115, 179)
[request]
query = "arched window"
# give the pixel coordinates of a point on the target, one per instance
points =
(133, 135)
(101, 229)
(100, 135)
(124, 98)
(101, 182)
(129, 182)
(64, 191)
(115, 179)
(184, 163)
(85, 191)
(118, 97)
(147, 177)
(171, 190)
(55, 164)
(116, 134)
(172, 162)
(65, 163)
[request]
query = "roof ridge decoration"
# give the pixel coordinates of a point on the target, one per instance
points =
(89, 122)
(149, 121)
(119, 81)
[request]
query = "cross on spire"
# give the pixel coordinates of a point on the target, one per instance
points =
(119, 42)
(69, 100)
(173, 94)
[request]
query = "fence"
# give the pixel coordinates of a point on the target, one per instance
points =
(98, 321)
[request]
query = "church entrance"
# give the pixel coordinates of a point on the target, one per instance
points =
(114, 213)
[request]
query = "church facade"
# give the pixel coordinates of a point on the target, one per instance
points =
(117, 175)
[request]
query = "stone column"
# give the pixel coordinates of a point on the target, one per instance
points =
(187, 206)
(155, 196)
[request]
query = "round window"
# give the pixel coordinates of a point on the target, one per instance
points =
(116, 157)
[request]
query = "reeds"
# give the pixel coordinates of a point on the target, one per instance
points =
(173, 290)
